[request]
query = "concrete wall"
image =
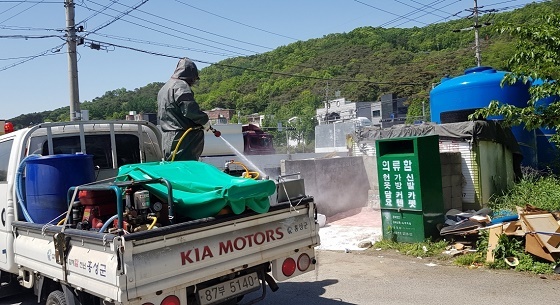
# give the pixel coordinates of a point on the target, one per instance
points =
(268, 164)
(337, 184)
(341, 183)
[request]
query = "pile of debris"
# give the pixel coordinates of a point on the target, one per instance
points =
(539, 228)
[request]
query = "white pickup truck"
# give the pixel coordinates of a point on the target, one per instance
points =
(77, 260)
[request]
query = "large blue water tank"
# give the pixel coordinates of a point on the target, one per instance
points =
(456, 98)
(547, 152)
(47, 180)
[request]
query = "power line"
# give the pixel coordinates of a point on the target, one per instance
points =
(162, 44)
(440, 20)
(29, 36)
(11, 8)
(410, 14)
(25, 10)
(185, 25)
(175, 30)
(261, 71)
(388, 12)
(418, 9)
(119, 16)
(97, 12)
(240, 23)
(21, 28)
(29, 58)
(434, 8)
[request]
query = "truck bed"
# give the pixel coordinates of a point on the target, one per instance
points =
(125, 268)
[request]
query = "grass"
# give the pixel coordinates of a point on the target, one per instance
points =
(427, 248)
(540, 190)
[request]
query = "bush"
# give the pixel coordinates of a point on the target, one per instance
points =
(540, 191)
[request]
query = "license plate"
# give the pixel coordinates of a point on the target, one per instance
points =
(229, 289)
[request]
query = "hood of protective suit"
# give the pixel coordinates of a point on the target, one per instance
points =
(185, 69)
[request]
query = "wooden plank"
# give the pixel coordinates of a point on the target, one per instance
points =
(493, 236)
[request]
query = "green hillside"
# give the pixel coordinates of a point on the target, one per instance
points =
(363, 64)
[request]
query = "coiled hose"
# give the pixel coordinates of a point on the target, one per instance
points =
(19, 186)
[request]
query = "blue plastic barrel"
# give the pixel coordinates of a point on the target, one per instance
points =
(48, 179)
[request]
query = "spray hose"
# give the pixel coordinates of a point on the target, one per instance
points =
(179, 144)
(217, 133)
(247, 174)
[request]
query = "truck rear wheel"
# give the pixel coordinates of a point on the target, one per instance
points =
(56, 298)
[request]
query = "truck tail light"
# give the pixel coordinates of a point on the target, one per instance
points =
(288, 266)
(8, 127)
(171, 300)
(303, 262)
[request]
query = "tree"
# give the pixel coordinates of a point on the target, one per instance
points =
(536, 61)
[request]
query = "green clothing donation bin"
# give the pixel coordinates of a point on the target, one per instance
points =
(410, 191)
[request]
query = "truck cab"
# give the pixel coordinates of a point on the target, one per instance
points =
(256, 141)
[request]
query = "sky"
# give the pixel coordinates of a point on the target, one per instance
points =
(131, 43)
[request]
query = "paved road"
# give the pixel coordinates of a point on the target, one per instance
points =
(388, 278)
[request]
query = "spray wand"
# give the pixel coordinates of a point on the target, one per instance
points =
(216, 133)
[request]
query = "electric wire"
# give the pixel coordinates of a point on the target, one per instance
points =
(116, 37)
(29, 36)
(183, 38)
(234, 21)
(105, 7)
(430, 5)
(263, 71)
(409, 14)
(12, 7)
(118, 17)
(440, 20)
(21, 12)
(204, 31)
(21, 28)
(420, 9)
(388, 12)
(29, 58)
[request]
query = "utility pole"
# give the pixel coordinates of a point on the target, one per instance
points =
(476, 11)
(476, 40)
(71, 43)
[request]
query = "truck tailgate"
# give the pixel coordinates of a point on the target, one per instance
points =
(159, 262)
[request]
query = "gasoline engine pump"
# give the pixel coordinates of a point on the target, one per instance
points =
(97, 209)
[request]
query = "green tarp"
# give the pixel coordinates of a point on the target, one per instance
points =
(201, 190)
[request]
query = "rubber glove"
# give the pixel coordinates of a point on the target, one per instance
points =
(206, 126)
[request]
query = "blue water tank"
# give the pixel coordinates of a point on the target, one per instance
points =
(47, 180)
(547, 152)
(455, 98)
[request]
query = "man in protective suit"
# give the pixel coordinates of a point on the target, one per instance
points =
(178, 112)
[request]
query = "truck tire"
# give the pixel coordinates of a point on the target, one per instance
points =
(56, 298)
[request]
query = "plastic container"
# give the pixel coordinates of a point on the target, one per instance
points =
(48, 179)
(455, 98)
